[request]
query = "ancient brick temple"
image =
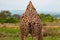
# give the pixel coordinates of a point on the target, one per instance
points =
(31, 23)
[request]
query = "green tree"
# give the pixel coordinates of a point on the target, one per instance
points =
(11, 20)
(49, 18)
(5, 14)
(46, 18)
(16, 16)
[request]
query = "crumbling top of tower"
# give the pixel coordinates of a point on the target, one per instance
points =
(30, 7)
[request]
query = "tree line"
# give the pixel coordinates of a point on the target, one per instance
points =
(8, 17)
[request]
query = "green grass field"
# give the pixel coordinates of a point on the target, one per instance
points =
(13, 34)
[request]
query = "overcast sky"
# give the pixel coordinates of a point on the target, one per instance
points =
(41, 5)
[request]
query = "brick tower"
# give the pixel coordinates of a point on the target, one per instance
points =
(31, 23)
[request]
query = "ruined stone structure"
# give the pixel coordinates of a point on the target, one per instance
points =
(31, 23)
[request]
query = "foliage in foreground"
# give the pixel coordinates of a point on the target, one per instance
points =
(13, 34)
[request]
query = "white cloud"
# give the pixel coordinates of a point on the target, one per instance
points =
(44, 5)
(13, 4)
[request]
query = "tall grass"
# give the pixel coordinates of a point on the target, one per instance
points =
(13, 34)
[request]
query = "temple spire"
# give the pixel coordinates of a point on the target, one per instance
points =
(30, 7)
